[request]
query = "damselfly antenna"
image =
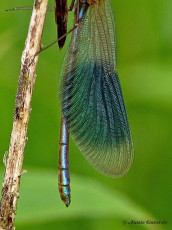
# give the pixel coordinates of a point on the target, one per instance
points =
(20, 8)
(27, 8)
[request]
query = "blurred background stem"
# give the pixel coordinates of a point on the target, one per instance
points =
(14, 163)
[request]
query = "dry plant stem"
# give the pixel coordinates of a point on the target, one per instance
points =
(10, 190)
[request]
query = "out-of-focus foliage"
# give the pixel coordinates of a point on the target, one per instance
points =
(144, 35)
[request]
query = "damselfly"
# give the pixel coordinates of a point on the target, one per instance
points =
(92, 105)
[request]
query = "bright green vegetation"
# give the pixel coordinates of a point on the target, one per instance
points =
(144, 60)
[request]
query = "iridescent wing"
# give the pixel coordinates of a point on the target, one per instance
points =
(91, 97)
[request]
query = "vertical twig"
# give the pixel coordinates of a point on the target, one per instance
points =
(10, 190)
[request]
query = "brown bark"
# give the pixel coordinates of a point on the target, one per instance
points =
(14, 162)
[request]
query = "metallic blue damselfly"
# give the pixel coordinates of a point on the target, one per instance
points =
(92, 104)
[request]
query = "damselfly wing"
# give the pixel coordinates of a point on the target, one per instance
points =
(91, 97)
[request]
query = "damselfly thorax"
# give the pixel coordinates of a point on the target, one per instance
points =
(93, 2)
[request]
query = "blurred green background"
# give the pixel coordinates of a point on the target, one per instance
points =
(144, 42)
